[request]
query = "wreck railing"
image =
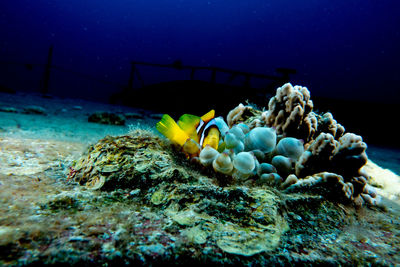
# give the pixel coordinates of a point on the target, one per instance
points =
(282, 78)
(283, 74)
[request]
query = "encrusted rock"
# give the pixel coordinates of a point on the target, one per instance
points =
(38, 110)
(118, 162)
(107, 118)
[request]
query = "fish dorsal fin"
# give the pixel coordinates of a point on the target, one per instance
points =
(188, 124)
(208, 116)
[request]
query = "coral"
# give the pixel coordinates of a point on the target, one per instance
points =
(349, 156)
(235, 115)
(305, 143)
(258, 121)
(240, 114)
(326, 124)
(297, 143)
(330, 185)
(289, 111)
(345, 156)
(291, 179)
(317, 157)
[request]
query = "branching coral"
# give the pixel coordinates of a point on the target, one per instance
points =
(345, 156)
(290, 112)
(317, 157)
(349, 155)
(328, 184)
(326, 124)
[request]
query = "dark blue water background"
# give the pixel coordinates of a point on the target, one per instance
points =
(345, 49)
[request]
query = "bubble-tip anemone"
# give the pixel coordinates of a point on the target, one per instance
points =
(223, 163)
(283, 165)
(231, 141)
(290, 147)
(207, 155)
(238, 132)
(261, 138)
(244, 163)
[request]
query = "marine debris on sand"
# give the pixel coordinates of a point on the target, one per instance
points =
(138, 199)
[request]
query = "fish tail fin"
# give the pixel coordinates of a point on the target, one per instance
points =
(168, 127)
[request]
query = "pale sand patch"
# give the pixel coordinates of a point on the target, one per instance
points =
(23, 156)
(386, 182)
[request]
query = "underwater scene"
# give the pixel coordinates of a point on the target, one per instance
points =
(215, 133)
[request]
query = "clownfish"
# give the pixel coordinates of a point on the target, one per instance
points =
(202, 130)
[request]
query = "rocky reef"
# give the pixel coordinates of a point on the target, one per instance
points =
(193, 214)
(268, 194)
(289, 144)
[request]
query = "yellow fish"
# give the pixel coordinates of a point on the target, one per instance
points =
(200, 129)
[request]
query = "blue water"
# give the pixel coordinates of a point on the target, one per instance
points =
(339, 48)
